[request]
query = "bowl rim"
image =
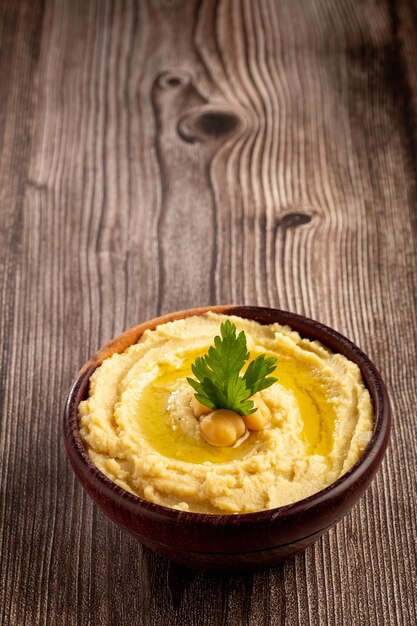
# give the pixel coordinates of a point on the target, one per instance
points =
(334, 339)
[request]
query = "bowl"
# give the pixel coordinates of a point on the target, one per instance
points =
(231, 543)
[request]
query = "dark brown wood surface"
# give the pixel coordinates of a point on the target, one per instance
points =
(157, 155)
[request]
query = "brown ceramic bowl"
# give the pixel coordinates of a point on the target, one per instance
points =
(231, 542)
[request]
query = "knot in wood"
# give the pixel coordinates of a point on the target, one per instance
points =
(216, 123)
(173, 80)
(290, 220)
(205, 123)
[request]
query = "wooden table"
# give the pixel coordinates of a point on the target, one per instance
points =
(157, 155)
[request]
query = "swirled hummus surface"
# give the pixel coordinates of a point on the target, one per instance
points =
(139, 429)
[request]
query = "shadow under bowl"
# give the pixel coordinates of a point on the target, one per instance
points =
(231, 543)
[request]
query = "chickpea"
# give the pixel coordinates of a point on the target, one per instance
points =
(222, 427)
(197, 408)
(259, 419)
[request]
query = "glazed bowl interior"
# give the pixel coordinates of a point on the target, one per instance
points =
(240, 541)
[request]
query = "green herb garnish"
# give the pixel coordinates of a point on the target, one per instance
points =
(219, 385)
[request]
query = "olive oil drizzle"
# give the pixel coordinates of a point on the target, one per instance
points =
(155, 423)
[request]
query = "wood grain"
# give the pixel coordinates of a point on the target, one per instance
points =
(158, 155)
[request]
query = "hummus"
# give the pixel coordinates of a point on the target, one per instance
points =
(139, 429)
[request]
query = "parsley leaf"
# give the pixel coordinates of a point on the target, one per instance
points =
(219, 385)
(255, 376)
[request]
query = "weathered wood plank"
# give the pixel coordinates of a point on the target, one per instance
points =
(163, 154)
